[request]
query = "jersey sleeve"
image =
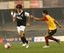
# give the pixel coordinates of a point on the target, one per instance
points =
(44, 18)
(26, 14)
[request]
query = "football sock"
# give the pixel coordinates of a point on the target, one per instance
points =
(46, 40)
(25, 38)
(52, 38)
(22, 39)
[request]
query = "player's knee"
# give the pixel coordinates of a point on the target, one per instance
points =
(20, 33)
(48, 37)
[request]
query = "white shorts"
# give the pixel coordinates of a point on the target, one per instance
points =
(21, 28)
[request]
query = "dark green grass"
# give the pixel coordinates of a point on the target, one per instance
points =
(35, 47)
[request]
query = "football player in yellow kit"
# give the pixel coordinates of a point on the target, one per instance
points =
(52, 28)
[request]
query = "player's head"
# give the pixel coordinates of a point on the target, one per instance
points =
(44, 12)
(19, 7)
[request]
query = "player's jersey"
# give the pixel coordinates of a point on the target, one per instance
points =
(21, 18)
(50, 22)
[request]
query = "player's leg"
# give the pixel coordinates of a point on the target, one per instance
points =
(52, 38)
(27, 43)
(51, 33)
(49, 36)
(47, 42)
(23, 34)
(23, 38)
(20, 32)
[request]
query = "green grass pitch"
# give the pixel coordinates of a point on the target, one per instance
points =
(35, 47)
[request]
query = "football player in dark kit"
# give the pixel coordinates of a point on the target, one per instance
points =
(21, 17)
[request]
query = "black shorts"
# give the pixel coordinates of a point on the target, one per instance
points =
(52, 32)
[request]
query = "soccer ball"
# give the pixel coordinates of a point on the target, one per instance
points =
(7, 45)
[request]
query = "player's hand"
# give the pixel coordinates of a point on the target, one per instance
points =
(12, 13)
(28, 24)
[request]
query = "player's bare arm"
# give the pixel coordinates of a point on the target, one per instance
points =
(13, 18)
(28, 21)
(36, 18)
(57, 23)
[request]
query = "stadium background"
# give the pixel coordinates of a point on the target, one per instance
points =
(34, 7)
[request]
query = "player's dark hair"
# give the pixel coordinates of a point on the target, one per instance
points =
(19, 6)
(45, 11)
